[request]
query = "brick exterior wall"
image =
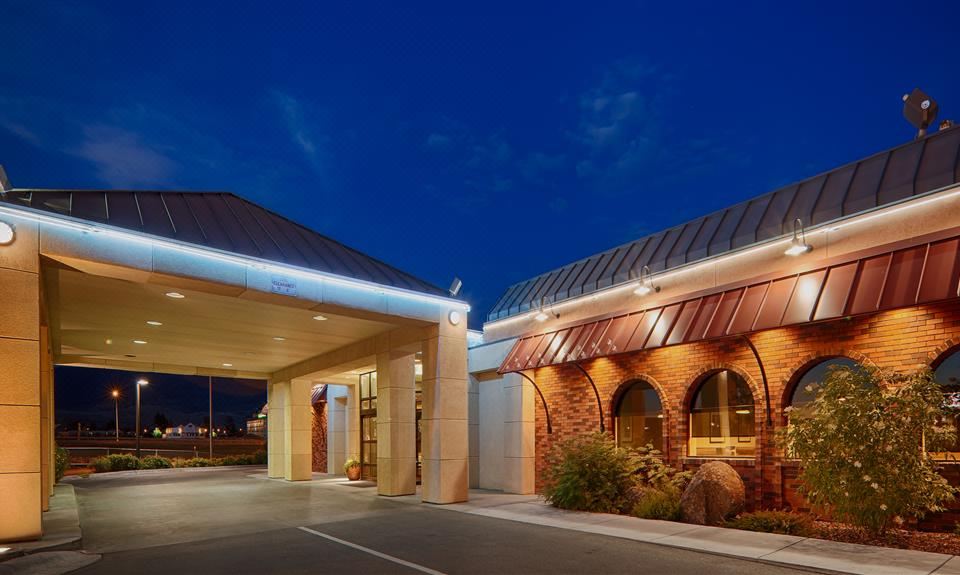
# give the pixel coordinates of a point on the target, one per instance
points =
(320, 437)
(902, 340)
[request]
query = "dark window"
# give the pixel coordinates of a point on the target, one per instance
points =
(947, 374)
(639, 417)
(806, 388)
(722, 417)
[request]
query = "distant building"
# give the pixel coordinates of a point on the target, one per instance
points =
(257, 426)
(188, 430)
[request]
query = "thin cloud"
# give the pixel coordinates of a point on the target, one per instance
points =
(123, 159)
(313, 146)
(21, 131)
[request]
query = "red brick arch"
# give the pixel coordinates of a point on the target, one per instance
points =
(941, 352)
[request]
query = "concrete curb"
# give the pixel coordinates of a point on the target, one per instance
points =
(784, 550)
(135, 472)
(61, 526)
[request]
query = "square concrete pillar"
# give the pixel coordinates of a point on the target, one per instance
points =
(21, 458)
(352, 416)
(47, 477)
(444, 438)
(519, 435)
(276, 436)
(473, 431)
(336, 428)
(298, 431)
(396, 426)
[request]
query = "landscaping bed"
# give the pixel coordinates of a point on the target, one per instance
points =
(948, 543)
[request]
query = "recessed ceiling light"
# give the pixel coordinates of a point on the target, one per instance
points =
(140, 341)
(278, 338)
(151, 322)
(175, 295)
(228, 365)
(109, 342)
(320, 317)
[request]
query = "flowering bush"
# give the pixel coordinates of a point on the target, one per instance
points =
(591, 473)
(861, 446)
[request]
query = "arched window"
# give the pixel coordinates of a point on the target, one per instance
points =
(639, 417)
(806, 387)
(722, 417)
(947, 374)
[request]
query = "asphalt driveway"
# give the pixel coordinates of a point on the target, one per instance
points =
(236, 521)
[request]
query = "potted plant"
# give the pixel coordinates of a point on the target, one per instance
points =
(352, 468)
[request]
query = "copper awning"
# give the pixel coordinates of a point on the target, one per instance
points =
(918, 274)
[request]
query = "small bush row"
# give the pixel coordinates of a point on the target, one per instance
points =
(783, 522)
(127, 462)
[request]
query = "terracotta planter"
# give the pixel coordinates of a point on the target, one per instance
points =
(353, 473)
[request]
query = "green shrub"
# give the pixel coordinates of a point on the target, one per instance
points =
(194, 462)
(783, 522)
(658, 504)
(155, 462)
(258, 458)
(62, 461)
(859, 443)
(591, 473)
(115, 462)
(654, 473)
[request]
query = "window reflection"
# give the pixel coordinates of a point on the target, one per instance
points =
(639, 417)
(722, 418)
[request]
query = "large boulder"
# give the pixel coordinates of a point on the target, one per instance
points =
(715, 493)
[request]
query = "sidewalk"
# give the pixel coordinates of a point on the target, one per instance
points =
(787, 550)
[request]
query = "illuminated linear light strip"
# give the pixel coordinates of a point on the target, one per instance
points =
(830, 226)
(212, 253)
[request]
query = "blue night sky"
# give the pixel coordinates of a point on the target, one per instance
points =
(492, 142)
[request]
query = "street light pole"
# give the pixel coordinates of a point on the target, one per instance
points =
(210, 427)
(116, 408)
(140, 382)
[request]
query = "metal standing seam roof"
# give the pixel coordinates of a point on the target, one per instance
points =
(919, 274)
(913, 168)
(218, 220)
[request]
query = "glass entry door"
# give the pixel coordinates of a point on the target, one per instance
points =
(368, 426)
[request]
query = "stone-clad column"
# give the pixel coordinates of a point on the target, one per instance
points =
(20, 361)
(276, 436)
(298, 429)
(518, 435)
(444, 420)
(396, 426)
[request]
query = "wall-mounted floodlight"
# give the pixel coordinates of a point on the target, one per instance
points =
(646, 284)
(920, 110)
(799, 245)
(7, 234)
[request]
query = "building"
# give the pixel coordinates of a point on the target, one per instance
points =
(185, 431)
(257, 426)
(697, 337)
(202, 283)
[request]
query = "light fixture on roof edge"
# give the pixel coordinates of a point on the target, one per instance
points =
(542, 315)
(798, 245)
(646, 284)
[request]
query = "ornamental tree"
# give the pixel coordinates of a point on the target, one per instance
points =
(863, 444)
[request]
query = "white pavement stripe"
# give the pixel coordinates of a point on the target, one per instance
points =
(396, 560)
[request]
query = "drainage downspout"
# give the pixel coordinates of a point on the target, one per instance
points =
(544, 401)
(596, 393)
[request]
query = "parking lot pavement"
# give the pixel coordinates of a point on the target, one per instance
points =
(230, 521)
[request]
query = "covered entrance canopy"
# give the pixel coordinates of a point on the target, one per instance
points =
(210, 284)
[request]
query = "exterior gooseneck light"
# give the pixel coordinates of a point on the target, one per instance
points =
(542, 314)
(646, 284)
(799, 245)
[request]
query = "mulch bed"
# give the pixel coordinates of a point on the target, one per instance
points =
(897, 538)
